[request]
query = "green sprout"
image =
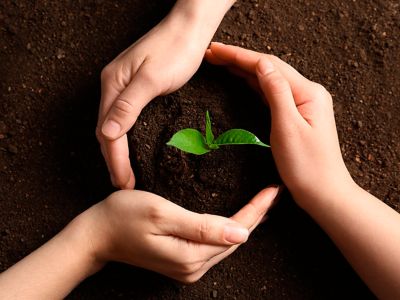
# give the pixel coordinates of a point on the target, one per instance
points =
(192, 141)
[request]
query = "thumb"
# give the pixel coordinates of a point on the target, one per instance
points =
(276, 89)
(217, 230)
(208, 229)
(127, 107)
(253, 213)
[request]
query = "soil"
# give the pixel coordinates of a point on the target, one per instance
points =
(51, 168)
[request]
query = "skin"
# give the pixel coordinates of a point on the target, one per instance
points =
(304, 138)
(159, 63)
(138, 228)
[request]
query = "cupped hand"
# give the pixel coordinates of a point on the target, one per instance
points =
(148, 231)
(304, 140)
(157, 64)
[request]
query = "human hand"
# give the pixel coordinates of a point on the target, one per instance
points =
(157, 64)
(304, 140)
(147, 231)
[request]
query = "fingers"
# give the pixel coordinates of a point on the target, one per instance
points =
(202, 240)
(119, 109)
(217, 230)
(207, 229)
(228, 55)
(251, 214)
(127, 106)
(117, 157)
(277, 91)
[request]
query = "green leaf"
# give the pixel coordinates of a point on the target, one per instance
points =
(209, 133)
(239, 137)
(189, 140)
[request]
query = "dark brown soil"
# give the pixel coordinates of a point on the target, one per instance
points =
(51, 168)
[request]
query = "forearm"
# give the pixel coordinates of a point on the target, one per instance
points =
(204, 15)
(367, 232)
(53, 270)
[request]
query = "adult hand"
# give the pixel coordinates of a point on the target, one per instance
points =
(157, 64)
(305, 146)
(304, 140)
(145, 230)
(137, 228)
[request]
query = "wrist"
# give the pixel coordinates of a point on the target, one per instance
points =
(82, 237)
(201, 15)
(201, 10)
(325, 193)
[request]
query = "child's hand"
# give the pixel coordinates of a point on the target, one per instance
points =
(304, 140)
(145, 230)
(157, 64)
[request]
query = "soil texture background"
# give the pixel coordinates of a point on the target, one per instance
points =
(51, 169)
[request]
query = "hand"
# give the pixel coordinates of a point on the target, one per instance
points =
(137, 228)
(147, 231)
(159, 63)
(304, 140)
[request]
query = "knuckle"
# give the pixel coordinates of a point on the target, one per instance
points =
(203, 227)
(148, 76)
(123, 107)
(113, 202)
(277, 83)
(272, 57)
(191, 268)
(191, 278)
(319, 89)
(155, 84)
(107, 73)
(321, 93)
(155, 214)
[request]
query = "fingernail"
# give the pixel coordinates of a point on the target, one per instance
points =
(235, 235)
(111, 129)
(265, 66)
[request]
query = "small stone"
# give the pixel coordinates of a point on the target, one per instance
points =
(363, 55)
(358, 159)
(144, 124)
(214, 293)
(147, 146)
(214, 195)
(60, 54)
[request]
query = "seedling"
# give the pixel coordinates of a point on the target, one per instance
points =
(192, 141)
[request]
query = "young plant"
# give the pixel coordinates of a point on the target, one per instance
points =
(192, 141)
